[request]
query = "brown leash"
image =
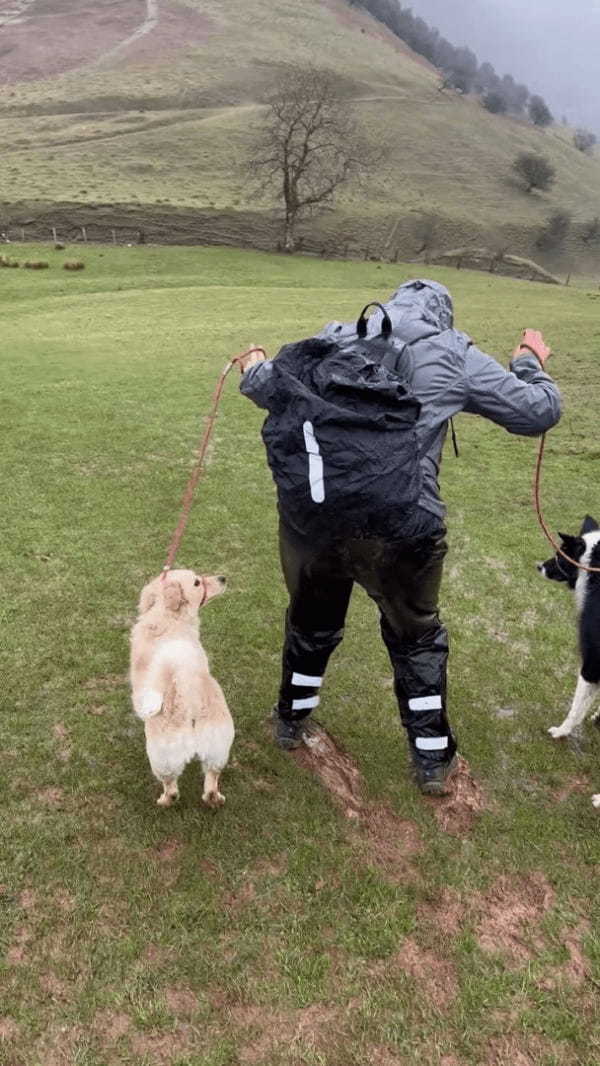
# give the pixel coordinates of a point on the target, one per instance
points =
(538, 509)
(198, 470)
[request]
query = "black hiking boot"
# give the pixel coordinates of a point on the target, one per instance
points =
(288, 732)
(432, 777)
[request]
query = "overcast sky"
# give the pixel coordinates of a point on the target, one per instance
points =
(551, 45)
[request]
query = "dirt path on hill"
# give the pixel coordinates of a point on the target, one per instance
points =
(147, 26)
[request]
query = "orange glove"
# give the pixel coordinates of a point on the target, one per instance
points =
(533, 341)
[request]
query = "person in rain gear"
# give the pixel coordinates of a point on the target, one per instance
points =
(342, 520)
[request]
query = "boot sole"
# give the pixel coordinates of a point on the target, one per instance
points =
(439, 788)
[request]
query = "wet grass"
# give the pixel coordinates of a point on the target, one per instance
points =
(274, 932)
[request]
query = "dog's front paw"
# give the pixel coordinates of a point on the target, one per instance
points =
(150, 703)
(213, 799)
(596, 800)
(558, 731)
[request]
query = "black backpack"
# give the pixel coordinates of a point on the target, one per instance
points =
(341, 436)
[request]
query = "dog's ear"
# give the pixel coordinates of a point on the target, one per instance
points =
(589, 525)
(173, 595)
(574, 546)
(147, 599)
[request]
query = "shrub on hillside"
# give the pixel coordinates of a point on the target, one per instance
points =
(495, 103)
(555, 232)
(73, 264)
(6, 261)
(539, 112)
(535, 171)
(584, 140)
(591, 231)
(35, 264)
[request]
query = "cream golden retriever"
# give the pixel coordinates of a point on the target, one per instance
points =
(183, 708)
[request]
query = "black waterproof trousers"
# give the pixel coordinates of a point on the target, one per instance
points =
(404, 580)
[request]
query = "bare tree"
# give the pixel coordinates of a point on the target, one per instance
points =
(309, 145)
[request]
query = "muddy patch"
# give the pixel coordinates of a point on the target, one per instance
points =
(447, 912)
(50, 797)
(181, 1001)
(511, 913)
(526, 1051)
(111, 1026)
(457, 812)
(571, 787)
(302, 1032)
(390, 841)
(61, 735)
(9, 1030)
(106, 681)
(335, 769)
(434, 976)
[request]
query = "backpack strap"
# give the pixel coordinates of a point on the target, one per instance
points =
(386, 322)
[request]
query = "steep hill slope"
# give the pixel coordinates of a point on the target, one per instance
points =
(145, 106)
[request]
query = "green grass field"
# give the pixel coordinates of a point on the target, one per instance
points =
(278, 931)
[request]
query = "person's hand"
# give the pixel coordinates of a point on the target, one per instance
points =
(251, 358)
(533, 341)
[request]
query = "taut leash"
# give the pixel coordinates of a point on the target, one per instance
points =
(198, 469)
(538, 509)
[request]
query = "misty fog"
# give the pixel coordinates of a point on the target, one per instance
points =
(551, 45)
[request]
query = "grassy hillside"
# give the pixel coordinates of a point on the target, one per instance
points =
(167, 121)
(280, 932)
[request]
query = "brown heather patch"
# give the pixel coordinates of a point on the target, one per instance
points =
(456, 812)
(510, 915)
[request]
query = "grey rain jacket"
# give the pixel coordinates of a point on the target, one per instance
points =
(446, 373)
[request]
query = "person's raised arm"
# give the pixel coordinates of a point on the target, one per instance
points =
(524, 399)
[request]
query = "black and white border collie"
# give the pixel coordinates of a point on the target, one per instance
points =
(585, 549)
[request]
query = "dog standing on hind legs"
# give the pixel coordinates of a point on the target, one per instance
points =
(183, 708)
(584, 549)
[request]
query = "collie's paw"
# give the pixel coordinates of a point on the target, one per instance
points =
(150, 703)
(558, 731)
(596, 800)
(213, 799)
(167, 799)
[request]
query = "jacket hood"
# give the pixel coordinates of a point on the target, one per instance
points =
(425, 301)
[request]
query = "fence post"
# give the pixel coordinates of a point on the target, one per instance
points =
(114, 236)
(22, 234)
(54, 237)
(84, 234)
